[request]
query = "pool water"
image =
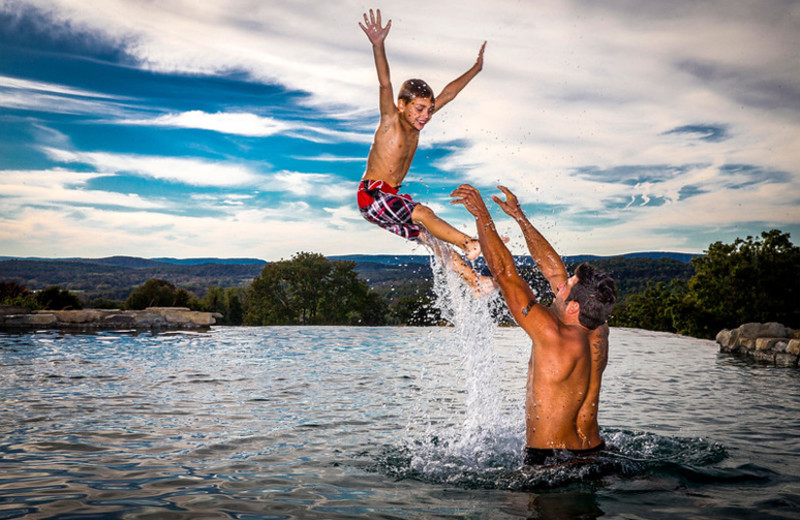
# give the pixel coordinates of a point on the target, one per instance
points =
(345, 422)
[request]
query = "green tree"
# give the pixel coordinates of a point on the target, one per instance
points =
(55, 298)
(309, 289)
(269, 297)
(749, 280)
(417, 311)
(160, 293)
(227, 302)
(12, 293)
(661, 306)
(233, 298)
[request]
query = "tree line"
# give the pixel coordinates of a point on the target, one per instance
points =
(752, 279)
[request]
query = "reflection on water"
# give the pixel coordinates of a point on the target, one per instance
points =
(326, 422)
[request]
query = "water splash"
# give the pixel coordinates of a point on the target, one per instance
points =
(489, 431)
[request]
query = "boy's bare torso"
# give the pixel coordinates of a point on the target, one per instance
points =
(392, 151)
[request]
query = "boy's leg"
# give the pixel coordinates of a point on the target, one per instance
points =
(480, 285)
(443, 231)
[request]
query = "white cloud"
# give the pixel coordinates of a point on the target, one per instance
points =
(52, 88)
(319, 185)
(227, 123)
(61, 189)
(194, 172)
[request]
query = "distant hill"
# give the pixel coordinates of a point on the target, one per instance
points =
(520, 260)
(115, 277)
(393, 276)
(139, 263)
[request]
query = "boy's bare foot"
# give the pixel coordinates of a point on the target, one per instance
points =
(486, 285)
(472, 249)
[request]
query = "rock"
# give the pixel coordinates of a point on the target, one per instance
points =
(151, 318)
(118, 321)
(184, 316)
(747, 343)
(762, 330)
(28, 320)
(784, 359)
(13, 309)
(81, 316)
(766, 343)
(764, 355)
(725, 338)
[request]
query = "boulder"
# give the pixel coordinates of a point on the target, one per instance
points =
(747, 343)
(79, 316)
(118, 321)
(784, 359)
(108, 319)
(5, 310)
(29, 320)
(766, 343)
(725, 339)
(762, 330)
(766, 356)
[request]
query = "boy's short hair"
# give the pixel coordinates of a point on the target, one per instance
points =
(414, 88)
(596, 293)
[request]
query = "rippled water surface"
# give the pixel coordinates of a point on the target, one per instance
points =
(379, 423)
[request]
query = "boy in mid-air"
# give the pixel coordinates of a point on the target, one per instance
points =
(392, 152)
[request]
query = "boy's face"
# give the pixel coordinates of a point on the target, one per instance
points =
(416, 112)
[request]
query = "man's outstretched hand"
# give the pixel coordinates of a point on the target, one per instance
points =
(373, 29)
(471, 198)
(511, 205)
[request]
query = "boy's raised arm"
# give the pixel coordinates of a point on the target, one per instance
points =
(377, 34)
(452, 89)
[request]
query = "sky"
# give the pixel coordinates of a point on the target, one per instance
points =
(240, 128)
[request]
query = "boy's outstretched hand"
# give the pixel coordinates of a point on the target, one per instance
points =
(376, 33)
(479, 61)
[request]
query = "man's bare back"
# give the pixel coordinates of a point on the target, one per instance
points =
(588, 427)
(558, 378)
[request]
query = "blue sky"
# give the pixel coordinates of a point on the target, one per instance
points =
(240, 128)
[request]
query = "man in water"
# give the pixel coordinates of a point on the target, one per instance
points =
(393, 150)
(570, 338)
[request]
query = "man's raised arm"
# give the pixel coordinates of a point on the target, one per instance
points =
(518, 295)
(543, 254)
(452, 89)
(377, 36)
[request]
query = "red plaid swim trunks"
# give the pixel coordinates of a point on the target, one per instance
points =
(382, 205)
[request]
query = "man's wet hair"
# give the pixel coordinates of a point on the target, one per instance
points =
(596, 294)
(414, 88)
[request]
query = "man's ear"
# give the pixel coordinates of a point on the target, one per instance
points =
(401, 105)
(573, 308)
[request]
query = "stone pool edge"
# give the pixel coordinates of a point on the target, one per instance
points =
(152, 318)
(766, 342)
